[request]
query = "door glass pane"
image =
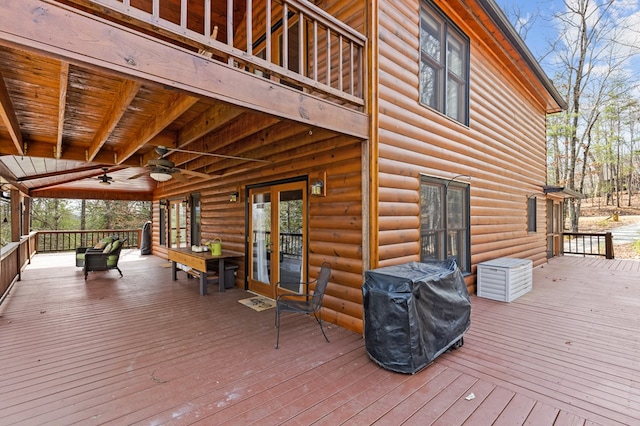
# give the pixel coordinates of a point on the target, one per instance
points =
(261, 229)
(173, 217)
(290, 239)
(178, 224)
(431, 222)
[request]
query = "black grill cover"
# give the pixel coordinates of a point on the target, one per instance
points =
(145, 246)
(413, 313)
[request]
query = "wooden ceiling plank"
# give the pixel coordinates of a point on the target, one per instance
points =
(93, 167)
(8, 175)
(9, 117)
(62, 103)
(74, 153)
(176, 106)
(213, 118)
(126, 93)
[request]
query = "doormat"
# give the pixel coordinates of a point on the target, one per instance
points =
(165, 265)
(258, 303)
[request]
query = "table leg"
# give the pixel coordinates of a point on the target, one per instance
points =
(174, 274)
(221, 287)
(203, 283)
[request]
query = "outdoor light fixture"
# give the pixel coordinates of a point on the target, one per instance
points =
(317, 187)
(233, 198)
(160, 176)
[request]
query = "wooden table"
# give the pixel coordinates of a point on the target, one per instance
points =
(198, 262)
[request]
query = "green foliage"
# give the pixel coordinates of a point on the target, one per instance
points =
(52, 214)
(5, 228)
(56, 214)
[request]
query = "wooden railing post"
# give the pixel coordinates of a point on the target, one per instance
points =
(609, 246)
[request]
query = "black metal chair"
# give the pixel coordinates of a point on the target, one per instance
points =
(101, 261)
(305, 303)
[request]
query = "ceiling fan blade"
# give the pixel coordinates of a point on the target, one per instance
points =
(138, 175)
(231, 157)
(193, 173)
(179, 177)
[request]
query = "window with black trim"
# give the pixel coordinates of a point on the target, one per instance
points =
(444, 221)
(444, 64)
(532, 215)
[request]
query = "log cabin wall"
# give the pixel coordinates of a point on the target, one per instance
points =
(502, 149)
(334, 221)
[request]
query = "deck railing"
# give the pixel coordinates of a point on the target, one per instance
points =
(13, 257)
(589, 244)
(290, 243)
(318, 54)
(53, 241)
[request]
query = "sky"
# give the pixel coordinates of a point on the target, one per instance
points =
(537, 14)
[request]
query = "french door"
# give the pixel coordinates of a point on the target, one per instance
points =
(177, 224)
(277, 237)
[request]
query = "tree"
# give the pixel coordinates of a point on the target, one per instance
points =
(592, 53)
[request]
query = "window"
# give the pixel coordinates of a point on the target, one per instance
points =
(444, 65)
(194, 204)
(532, 218)
(444, 221)
(162, 205)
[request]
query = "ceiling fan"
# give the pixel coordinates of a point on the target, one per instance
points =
(162, 169)
(104, 179)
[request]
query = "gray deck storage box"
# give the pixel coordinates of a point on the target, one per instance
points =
(504, 279)
(413, 313)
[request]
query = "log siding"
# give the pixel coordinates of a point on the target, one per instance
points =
(502, 149)
(335, 221)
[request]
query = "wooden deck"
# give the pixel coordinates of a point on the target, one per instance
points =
(145, 350)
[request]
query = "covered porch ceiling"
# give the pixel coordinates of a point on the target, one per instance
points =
(70, 113)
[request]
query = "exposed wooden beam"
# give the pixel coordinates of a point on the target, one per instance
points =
(93, 167)
(126, 93)
(106, 194)
(67, 178)
(245, 126)
(9, 118)
(56, 30)
(213, 118)
(178, 104)
(62, 105)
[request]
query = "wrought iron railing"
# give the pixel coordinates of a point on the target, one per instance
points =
(318, 53)
(589, 244)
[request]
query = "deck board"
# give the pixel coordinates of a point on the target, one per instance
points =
(143, 349)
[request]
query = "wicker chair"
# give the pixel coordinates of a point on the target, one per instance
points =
(103, 261)
(305, 303)
(99, 248)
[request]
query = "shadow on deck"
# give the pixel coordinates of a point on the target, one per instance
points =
(143, 349)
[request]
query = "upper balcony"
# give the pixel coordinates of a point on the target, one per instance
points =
(317, 53)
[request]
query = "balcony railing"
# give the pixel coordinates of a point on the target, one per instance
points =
(589, 244)
(290, 244)
(54, 241)
(318, 53)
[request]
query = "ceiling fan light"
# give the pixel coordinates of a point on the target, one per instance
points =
(104, 182)
(160, 176)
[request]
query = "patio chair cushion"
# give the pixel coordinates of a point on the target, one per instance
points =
(112, 259)
(103, 243)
